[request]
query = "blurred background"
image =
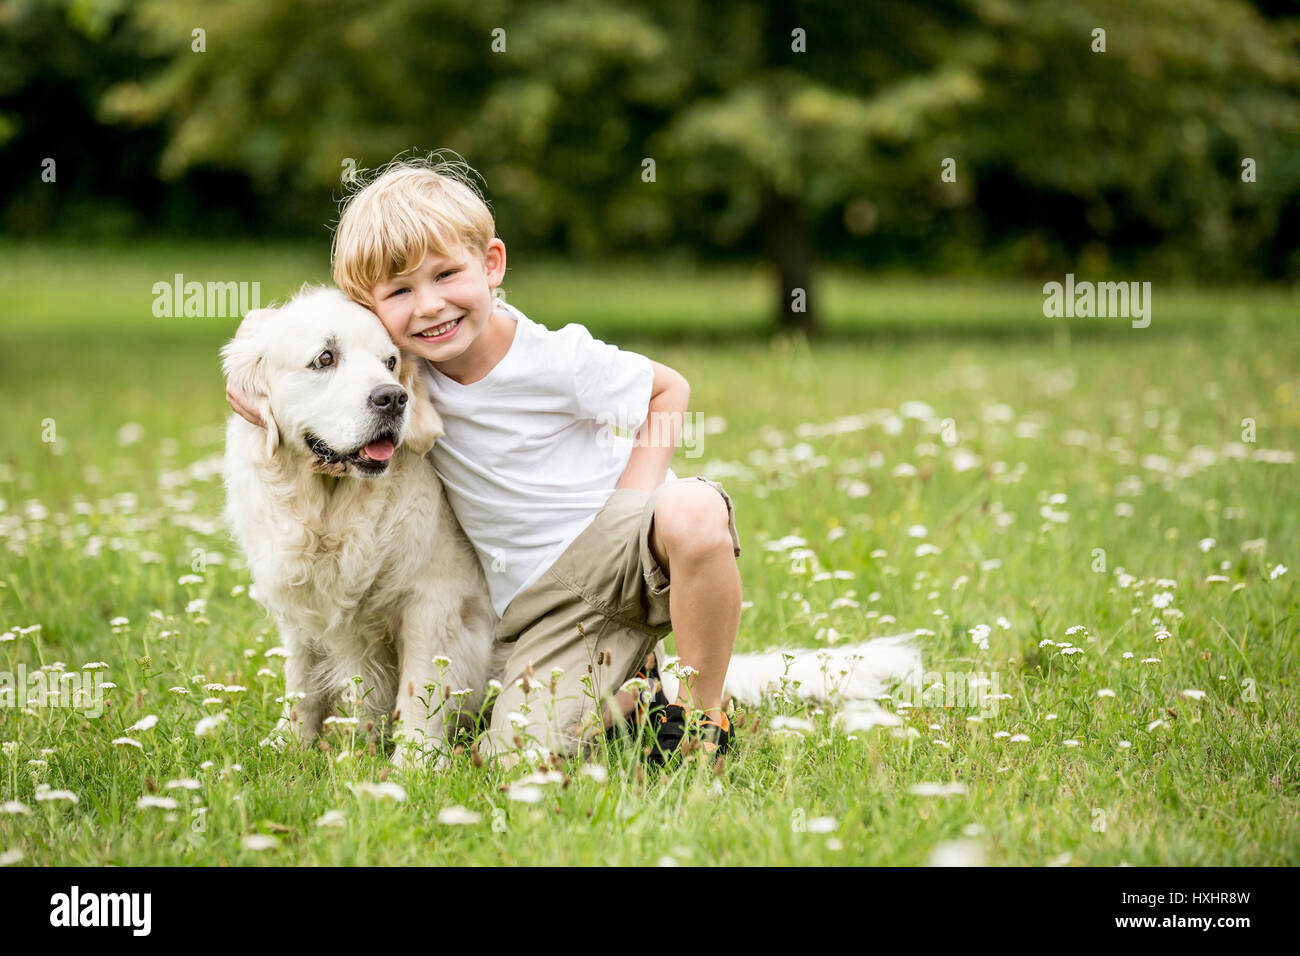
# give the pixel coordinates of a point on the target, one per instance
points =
(977, 138)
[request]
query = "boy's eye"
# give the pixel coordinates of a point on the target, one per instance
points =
(392, 362)
(324, 360)
(397, 292)
(449, 272)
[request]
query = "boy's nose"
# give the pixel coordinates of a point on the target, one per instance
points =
(429, 303)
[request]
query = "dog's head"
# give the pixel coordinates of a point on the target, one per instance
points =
(331, 386)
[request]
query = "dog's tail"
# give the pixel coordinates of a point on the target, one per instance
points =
(839, 674)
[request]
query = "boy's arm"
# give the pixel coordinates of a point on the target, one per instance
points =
(656, 439)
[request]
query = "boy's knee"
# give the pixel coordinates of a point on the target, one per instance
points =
(692, 520)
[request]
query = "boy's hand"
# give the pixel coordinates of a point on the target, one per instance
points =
(236, 399)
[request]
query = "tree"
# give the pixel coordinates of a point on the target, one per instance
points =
(745, 124)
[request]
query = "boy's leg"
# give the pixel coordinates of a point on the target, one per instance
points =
(692, 539)
(564, 671)
(585, 617)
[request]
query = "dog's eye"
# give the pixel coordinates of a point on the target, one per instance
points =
(392, 362)
(324, 360)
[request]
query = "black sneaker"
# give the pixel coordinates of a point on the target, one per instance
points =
(674, 737)
(645, 711)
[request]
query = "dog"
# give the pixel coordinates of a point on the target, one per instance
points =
(352, 546)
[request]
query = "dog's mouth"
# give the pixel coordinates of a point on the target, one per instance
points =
(370, 459)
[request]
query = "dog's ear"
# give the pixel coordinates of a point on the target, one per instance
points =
(425, 426)
(244, 365)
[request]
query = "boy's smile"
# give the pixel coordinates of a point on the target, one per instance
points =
(444, 311)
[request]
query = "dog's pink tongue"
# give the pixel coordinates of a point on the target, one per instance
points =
(381, 450)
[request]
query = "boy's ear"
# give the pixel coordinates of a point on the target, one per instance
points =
(425, 426)
(244, 365)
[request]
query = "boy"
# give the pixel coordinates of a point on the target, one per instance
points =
(579, 534)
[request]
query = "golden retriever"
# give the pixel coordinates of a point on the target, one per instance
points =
(353, 549)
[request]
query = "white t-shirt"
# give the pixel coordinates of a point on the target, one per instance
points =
(527, 457)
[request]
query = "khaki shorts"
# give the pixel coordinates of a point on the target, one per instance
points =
(585, 627)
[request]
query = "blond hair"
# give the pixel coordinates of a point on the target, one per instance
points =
(413, 207)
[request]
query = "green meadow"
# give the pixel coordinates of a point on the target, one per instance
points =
(1101, 520)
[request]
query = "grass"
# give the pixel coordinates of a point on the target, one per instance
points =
(1146, 433)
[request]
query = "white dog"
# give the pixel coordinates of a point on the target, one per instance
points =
(349, 538)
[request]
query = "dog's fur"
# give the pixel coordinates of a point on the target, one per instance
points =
(361, 564)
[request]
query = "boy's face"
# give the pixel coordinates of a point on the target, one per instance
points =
(439, 309)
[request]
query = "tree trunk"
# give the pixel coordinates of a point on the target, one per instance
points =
(788, 239)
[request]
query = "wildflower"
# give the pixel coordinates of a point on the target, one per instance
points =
(197, 606)
(979, 634)
(1070, 743)
(458, 816)
(144, 723)
(258, 841)
(525, 794)
(45, 794)
(1001, 733)
(1162, 599)
(1125, 744)
(208, 725)
(595, 771)
(1154, 724)
(1105, 692)
(148, 801)
(925, 549)
(822, 825)
(1150, 660)
(387, 789)
(10, 857)
(1072, 650)
(954, 789)
(1194, 694)
(1216, 579)
(127, 741)
(1205, 544)
(183, 783)
(916, 531)
(1162, 635)
(1003, 623)
(331, 818)
(1277, 572)
(189, 579)
(1076, 629)
(1019, 739)
(119, 622)
(956, 853)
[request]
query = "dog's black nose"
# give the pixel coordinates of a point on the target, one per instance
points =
(388, 399)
